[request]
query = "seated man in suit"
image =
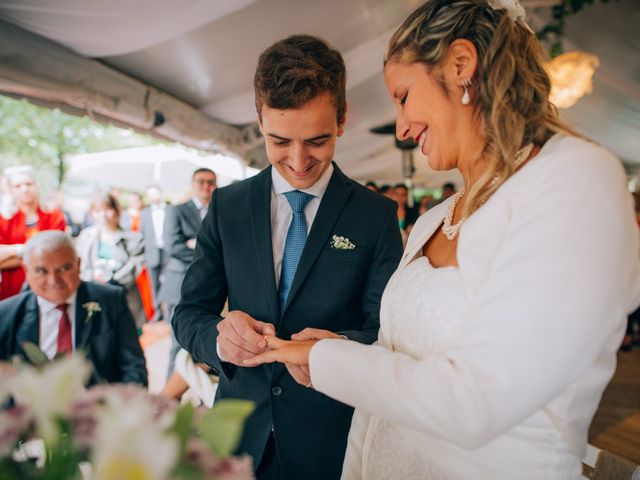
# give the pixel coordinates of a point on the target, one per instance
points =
(61, 314)
(301, 251)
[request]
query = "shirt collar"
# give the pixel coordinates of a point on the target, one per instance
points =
(46, 306)
(197, 203)
(280, 186)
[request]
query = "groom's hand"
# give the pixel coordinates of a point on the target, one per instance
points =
(242, 337)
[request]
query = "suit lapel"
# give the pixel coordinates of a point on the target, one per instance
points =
(193, 215)
(333, 200)
(29, 330)
(260, 202)
(83, 329)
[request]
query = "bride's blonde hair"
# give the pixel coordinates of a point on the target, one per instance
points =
(509, 91)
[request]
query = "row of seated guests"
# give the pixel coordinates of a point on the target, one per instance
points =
(61, 313)
(109, 253)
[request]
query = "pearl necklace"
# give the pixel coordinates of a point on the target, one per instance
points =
(451, 231)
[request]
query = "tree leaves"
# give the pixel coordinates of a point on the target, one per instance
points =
(41, 137)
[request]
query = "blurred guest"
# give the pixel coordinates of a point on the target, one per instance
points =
(192, 379)
(61, 314)
(152, 229)
(23, 219)
(407, 214)
(448, 190)
(371, 185)
(387, 191)
(131, 215)
(180, 229)
(423, 206)
(111, 254)
(55, 201)
(632, 335)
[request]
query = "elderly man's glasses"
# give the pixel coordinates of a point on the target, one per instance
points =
(202, 181)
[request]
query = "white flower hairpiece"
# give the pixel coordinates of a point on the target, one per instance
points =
(514, 9)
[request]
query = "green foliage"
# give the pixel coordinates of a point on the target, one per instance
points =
(62, 458)
(182, 427)
(221, 427)
(553, 32)
(41, 137)
(185, 471)
(34, 354)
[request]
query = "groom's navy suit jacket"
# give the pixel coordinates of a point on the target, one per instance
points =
(109, 338)
(333, 289)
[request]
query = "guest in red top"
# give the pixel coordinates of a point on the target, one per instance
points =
(23, 219)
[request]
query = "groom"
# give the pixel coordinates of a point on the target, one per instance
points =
(300, 251)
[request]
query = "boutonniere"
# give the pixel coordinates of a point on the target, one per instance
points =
(91, 308)
(341, 243)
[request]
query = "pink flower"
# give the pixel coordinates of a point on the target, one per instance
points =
(234, 468)
(14, 423)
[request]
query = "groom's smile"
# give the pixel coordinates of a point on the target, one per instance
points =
(300, 142)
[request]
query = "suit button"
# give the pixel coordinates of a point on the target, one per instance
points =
(277, 391)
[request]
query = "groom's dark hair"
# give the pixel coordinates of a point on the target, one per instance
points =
(297, 69)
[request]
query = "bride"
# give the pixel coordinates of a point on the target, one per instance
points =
(500, 327)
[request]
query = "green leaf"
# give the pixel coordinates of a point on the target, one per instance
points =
(34, 354)
(187, 472)
(182, 426)
(221, 427)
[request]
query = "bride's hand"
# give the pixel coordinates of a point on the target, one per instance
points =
(293, 353)
(300, 374)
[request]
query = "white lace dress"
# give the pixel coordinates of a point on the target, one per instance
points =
(421, 303)
(417, 298)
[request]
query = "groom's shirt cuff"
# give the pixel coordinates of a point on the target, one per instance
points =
(218, 352)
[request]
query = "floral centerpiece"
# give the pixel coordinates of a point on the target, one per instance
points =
(54, 428)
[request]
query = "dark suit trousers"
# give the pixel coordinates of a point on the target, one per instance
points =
(154, 273)
(269, 468)
(175, 347)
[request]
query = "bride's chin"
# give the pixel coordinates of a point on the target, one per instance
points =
(433, 163)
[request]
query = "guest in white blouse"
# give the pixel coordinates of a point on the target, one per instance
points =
(500, 327)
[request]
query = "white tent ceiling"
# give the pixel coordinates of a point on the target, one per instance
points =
(203, 52)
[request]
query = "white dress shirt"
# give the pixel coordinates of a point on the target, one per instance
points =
(157, 218)
(281, 211)
(49, 321)
(202, 208)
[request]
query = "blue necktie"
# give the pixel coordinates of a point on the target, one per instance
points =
(296, 238)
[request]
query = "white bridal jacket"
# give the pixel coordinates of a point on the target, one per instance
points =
(494, 369)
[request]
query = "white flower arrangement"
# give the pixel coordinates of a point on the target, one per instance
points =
(91, 308)
(341, 243)
(58, 429)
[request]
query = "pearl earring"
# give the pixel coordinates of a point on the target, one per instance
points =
(466, 99)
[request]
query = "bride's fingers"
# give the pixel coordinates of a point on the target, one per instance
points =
(269, 356)
(274, 342)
